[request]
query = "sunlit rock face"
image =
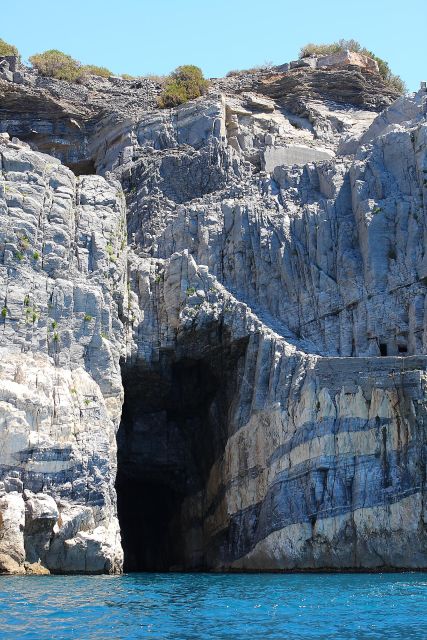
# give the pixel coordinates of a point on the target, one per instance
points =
(213, 352)
(62, 273)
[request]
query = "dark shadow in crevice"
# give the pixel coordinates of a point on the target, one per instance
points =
(175, 424)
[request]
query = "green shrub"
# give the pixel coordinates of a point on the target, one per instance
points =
(392, 80)
(312, 49)
(185, 83)
(36, 255)
(87, 317)
(173, 95)
(4, 312)
(93, 70)
(56, 64)
(7, 49)
(126, 76)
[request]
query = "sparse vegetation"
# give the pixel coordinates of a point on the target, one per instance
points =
(36, 255)
(93, 70)
(87, 317)
(392, 80)
(190, 291)
(312, 49)
(24, 243)
(154, 77)
(185, 83)
(126, 76)
(7, 49)
(56, 64)
(259, 68)
(4, 312)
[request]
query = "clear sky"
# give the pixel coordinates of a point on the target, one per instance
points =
(155, 36)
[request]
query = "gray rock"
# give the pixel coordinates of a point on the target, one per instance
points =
(225, 363)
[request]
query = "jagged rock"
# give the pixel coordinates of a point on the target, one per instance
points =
(275, 253)
(36, 569)
(63, 259)
(12, 518)
(358, 87)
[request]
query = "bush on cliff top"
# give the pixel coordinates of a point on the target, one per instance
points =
(93, 70)
(59, 65)
(56, 64)
(392, 80)
(185, 83)
(7, 49)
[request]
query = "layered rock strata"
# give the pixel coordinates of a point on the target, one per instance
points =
(63, 268)
(243, 291)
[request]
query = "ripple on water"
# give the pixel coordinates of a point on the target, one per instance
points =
(214, 606)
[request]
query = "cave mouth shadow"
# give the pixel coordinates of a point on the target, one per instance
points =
(175, 424)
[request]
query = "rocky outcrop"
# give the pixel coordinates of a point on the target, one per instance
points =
(240, 296)
(62, 277)
(72, 122)
(359, 87)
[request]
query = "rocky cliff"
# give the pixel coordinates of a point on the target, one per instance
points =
(212, 325)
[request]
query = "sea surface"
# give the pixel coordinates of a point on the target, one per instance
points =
(209, 606)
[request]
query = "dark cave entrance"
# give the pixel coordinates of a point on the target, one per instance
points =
(175, 424)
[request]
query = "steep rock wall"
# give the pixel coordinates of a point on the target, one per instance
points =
(62, 247)
(242, 321)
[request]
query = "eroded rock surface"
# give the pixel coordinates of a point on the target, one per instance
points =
(62, 274)
(242, 289)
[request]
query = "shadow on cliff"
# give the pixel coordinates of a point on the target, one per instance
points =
(175, 424)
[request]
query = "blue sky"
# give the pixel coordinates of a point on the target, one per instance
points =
(141, 36)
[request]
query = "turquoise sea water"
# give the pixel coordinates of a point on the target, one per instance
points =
(210, 606)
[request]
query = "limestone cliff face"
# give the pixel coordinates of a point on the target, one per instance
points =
(63, 268)
(242, 289)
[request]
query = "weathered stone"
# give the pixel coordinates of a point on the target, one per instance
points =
(346, 58)
(275, 253)
(292, 155)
